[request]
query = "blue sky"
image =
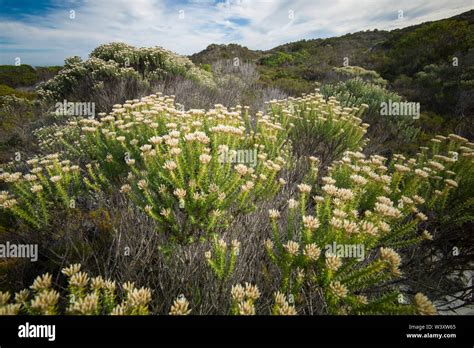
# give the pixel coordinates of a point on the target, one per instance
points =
(44, 32)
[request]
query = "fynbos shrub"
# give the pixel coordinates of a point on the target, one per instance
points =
(351, 208)
(177, 164)
(319, 127)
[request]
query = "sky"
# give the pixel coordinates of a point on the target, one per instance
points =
(45, 32)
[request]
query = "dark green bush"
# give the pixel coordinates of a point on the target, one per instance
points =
(386, 133)
(17, 76)
(6, 90)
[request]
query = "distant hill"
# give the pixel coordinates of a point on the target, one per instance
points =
(368, 41)
(307, 61)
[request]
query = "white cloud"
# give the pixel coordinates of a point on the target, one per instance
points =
(257, 24)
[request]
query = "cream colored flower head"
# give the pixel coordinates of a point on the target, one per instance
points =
(237, 293)
(304, 188)
(312, 251)
(292, 247)
(310, 222)
(251, 291)
(338, 289)
(71, 269)
(274, 214)
(423, 305)
(333, 262)
(42, 282)
(180, 306)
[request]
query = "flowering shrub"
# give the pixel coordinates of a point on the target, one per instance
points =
(372, 203)
(430, 179)
(49, 183)
(343, 243)
(183, 172)
(320, 127)
(222, 258)
(385, 131)
(350, 72)
(243, 299)
(93, 72)
(181, 166)
(154, 62)
(115, 63)
(84, 296)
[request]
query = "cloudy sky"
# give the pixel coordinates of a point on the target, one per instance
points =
(44, 32)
